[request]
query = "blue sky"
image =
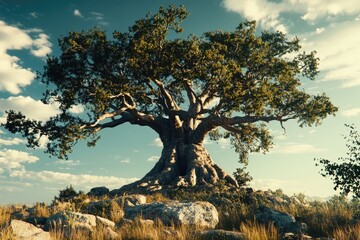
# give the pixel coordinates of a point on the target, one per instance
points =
(29, 31)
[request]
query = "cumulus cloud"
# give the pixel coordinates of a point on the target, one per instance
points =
(14, 159)
(351, 112)
(11, 141)
(34, 109)
(84, 180)
(339, 52)
(77, 109)
(42, 45)
(12, 75)
(268, 13)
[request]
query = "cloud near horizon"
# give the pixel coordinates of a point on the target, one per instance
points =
(80, 180)
(295, 148)
(13, 76)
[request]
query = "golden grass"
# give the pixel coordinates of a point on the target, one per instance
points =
(256, 231)
(336, 218)
(347, 233)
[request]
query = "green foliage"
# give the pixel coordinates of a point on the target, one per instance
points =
(228, 83)
(346, 172)
(68, 194)
(242, 177)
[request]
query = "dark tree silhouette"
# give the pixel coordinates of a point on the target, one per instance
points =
(222, 84)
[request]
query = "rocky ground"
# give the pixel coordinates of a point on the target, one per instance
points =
(214, 214)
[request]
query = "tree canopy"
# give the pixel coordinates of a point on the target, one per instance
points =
(345, 173)
(221, 84)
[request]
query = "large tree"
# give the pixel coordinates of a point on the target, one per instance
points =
(222, 85)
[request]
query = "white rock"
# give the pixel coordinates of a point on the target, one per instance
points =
(203, 214)
(24, 231)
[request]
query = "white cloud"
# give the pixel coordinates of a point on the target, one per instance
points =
(339, 52)
(157, 142)
(42, 46)
(68, 162)
(77, 13)
(266, 184)
(126, 160)
(153, 158)
(12, 141)
(14, 159)
(77, 109)
(13, 76)
(319, 30)
(224, 143)
(84, 180)
(267, 13)
(34, 109)
(295, 148)
(351, 112)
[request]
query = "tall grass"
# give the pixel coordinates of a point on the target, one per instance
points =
(347, 233)
(256, 231)
(337, 218)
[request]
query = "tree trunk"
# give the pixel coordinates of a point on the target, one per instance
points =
(182, 165)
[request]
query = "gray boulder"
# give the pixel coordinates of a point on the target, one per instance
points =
(131, 200)
(284, 221)
(220, 234)
(98, 191)
(202, 214)
(23, 231)
(68, 222)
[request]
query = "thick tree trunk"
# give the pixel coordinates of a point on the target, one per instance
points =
(183, 165)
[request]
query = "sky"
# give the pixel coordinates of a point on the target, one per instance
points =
(29, 31)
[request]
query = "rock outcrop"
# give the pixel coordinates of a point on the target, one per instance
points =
(283, 221)
(202, 214)
(98, 191)
(73, 221)
(23, 231)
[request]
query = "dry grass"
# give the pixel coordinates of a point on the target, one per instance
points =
(347, 233)
(337, 218)
(256, 231)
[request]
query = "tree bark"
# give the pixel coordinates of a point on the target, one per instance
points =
(183, 165)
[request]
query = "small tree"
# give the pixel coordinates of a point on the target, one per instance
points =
(242, 177)
(346, 172)
(223, 85)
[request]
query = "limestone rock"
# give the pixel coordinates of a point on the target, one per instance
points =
(284, 221)
(203, 214)
(98, 191)
(24, 231)
(104, 222)
(71, 221)
(131, 200)
(222, 234)
(280, 219)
